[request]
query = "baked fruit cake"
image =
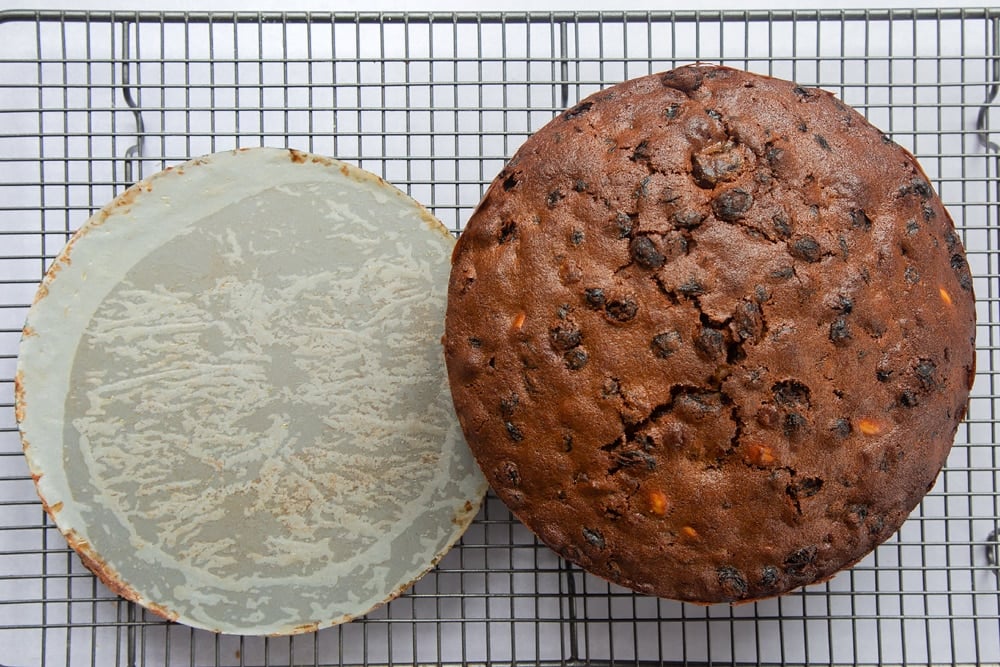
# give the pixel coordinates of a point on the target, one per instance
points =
(710, 334)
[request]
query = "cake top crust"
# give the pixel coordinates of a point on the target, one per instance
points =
(710, 334)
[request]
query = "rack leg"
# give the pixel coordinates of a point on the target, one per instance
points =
(134, 152)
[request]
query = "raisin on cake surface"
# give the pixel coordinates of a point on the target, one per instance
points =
(710, 334)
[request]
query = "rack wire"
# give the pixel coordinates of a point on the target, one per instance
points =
(90, 102)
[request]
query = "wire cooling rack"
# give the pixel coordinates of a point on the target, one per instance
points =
(90, 102)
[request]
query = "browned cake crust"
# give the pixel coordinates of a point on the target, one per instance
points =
(710, 334)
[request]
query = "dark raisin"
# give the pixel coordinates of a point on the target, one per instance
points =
(801, 92)
(961, 269)
(809, 486)
(578, 110)
(554, 198)
(841, 427)
(643, 189)
(710, 343)
(912, 227)
(781, 225)
(950, 240)
(694, 405)
(671, 111)
(595, 297)
(509, 472)
(510, 182)
(565, 337)
(803, 127)
(768, 576)
(633, 457)
(928, 212)
(475, 342)
(792, 492)
(732, 581)
(563, 311)
(911, 275)
(925, 370)
(688, 219)
(875, 525)
(774, 155)
(844, 304)
(823, 143)
(611, 388)
(761, 294)
(908, 399)
(621, 310)
(509, 405)
(791, 393)
(748, 321)
(860, 220)
(805, 248)
(508, 232)
(732, 204)
(712, 113)
(922, 187)
(644, 253)
(513, 432)
(883, 375)
(580, 186)
(798, 561)
(794, 422)
(577, 236)
(783, 273)
(691, 288)
(665, 344)
(594, 537)
(860, 511)
(625, 224)
(840, 332)
(641, 152)
(576, 359)
(567, 443)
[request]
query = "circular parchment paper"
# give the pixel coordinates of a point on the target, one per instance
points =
(232, 395)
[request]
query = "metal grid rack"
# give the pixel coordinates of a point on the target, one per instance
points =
(90, 102)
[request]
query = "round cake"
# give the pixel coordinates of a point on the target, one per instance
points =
(232, 398)
(710, 334)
